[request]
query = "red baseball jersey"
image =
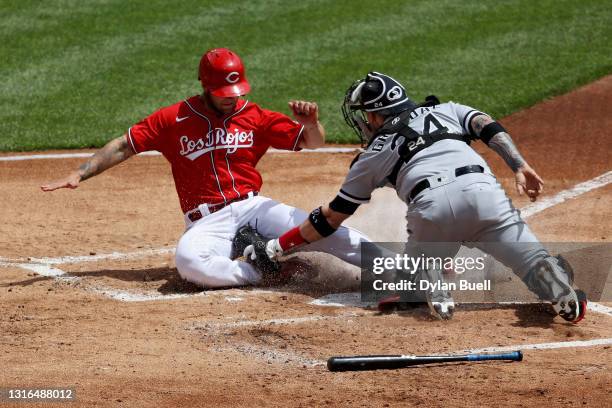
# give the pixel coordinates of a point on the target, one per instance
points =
(213, 156)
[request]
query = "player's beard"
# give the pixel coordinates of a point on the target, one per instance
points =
(221, 110)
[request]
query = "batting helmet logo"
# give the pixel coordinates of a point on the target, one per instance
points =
(222, 73)
(383, 94)
(394, 93)
(232, 77)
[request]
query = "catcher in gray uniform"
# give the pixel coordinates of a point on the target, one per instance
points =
(424, 152)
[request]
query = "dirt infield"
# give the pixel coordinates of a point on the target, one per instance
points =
(124, 330)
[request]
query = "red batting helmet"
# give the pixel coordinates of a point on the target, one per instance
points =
(222, 73)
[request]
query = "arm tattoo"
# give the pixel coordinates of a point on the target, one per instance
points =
(503, 145)
(86, 170)
(112, 153)
(479, 122)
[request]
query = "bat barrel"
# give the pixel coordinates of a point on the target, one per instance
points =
(360, 363)
(389, 362)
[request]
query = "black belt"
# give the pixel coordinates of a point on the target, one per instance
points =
(212, 208)
(460, 171)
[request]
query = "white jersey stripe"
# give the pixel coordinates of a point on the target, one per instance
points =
(468, 118)
(466, 121)
(212, 152)
(297, 139)
(131, 141)
(230, 173)
(352, 199)
(227, 151)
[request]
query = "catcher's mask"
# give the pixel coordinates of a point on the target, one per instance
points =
(375, 93)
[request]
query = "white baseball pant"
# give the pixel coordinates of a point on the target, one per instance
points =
(203, 252)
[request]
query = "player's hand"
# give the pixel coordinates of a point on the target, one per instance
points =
(273, 251)
(528, 182)
(306, 113)
(71, 181)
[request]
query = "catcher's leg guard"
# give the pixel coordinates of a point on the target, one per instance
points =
(551, 279)
(439, 299)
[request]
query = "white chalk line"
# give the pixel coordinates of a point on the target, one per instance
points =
(42, 266)
(127, 296)
(268, 353)
(274, 355)
(353, 299)
(599, 308)
(273, 322)
(560, 197)
(544, 346)
(56, 156)
(117, 294)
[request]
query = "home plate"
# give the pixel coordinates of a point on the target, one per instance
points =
(352, 299)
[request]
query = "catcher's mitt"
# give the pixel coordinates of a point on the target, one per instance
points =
(248, 235)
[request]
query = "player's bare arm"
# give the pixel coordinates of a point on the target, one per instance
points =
(113, 153)
(526, 179)
(307, 114)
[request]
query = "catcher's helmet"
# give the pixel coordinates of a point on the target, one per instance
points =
(375, 93)
(222, 73)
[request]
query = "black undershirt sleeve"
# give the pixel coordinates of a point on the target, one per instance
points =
(343, 206)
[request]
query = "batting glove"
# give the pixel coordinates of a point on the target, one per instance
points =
(272, 250)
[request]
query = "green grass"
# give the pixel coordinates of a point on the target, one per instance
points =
(78, 73)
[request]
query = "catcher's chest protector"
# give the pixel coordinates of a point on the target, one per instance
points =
(410, 141)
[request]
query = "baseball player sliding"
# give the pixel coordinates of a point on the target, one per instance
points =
(423, 152)
(213, 142)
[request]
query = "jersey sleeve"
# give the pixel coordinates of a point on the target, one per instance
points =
(368, 172)
(146, 134)
(465, 114)
(281, 131)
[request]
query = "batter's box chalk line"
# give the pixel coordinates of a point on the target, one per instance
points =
(273, 355)
(125, 295)
(219, 327)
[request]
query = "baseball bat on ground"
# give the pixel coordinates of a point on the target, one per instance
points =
(362, 363)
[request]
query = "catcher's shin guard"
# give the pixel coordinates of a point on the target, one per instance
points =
(551, 279)
(439, 299)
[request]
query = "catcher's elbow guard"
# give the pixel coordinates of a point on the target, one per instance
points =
(490, 130)
(320, 223)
